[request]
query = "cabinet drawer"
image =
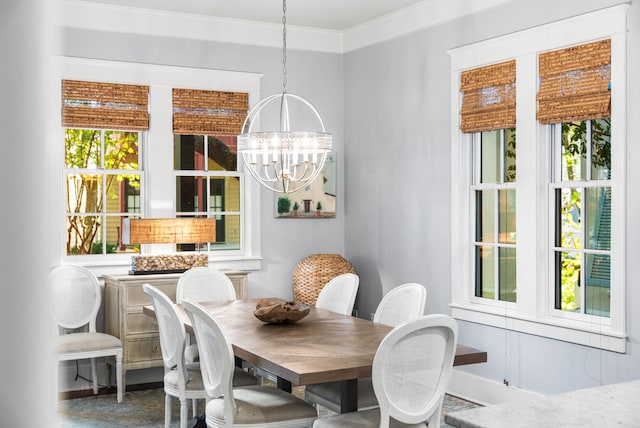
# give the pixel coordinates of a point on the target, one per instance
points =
(138, 322)
(143, 349)
(136, 296)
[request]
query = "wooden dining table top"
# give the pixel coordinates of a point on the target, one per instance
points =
(322, 347)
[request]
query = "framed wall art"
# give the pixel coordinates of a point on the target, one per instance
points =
(317, 200)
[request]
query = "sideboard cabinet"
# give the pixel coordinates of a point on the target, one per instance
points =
(123, 316)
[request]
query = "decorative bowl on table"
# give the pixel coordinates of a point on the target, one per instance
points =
(280, 312)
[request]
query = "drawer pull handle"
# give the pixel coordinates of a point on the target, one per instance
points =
(155, 349)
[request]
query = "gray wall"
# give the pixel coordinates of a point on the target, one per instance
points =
(398, 188)
(388, 107)
(316, 76)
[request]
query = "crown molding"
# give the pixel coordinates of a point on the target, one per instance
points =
(123, 19)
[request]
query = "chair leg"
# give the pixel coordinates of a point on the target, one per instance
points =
(167, 410)
(194, 407)
(119, 383)
(184, 412)
(94, 375)
(56, 381)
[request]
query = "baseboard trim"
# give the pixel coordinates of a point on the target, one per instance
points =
(484, 391)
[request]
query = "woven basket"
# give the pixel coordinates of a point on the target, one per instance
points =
(312, 273)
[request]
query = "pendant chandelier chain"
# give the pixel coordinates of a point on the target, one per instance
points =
(284, 160)
(284, 46)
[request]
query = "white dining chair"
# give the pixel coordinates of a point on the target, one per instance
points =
(403, 303)
(252, 406)
(203, 284)
(339, 294)
(179, 381)
(411, 370)
(75, 298)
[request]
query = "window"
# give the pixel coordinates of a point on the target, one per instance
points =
(102, 163)
(581, 193)
(495, 214)
(102, 188)
(114, 171)
(543, 251)
(208, 183)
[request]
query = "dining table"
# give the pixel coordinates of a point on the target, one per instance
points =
(324, 346)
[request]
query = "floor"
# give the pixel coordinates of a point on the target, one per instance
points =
(145, 408)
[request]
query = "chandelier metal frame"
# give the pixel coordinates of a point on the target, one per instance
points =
(284, 161)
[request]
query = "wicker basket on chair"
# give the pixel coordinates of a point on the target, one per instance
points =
(312, 273)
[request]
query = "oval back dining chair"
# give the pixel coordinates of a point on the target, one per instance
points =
(339, 294)
(403, 303)
(179, 381)
(411, 370)
(75, 297)
(203, 284)
(259, 406)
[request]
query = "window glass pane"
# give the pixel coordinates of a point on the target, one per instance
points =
(121, 193)
(84, 193)
(224, 194)
(188, 152)
(191, 194)
(507, 216)
(121, 150)
(490, 157)
(485, 272)
(227, 236)
(82, 148)
(84, 235)
(485, 215)
(507, 263)
(598, 218)
(222, 154)
(601, 149)
(510, 155)
(569, 218)
(568, 288)
(574, 151)
(227, 233)
(114, 234)
(598, 283)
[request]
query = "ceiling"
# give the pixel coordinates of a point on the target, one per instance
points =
(336, 15)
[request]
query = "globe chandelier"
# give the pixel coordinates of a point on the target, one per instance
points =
(285, 160)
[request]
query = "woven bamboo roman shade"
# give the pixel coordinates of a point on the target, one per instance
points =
(489, 97)
(574, 83)
(104, 105)
(203, 112)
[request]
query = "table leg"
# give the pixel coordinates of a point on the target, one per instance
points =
(349, 396)
(284, 384)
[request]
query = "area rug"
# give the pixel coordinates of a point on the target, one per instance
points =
(146, 409)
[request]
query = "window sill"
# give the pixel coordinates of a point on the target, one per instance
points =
(588, 334)
(120, 265)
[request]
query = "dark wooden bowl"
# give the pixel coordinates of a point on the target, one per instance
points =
(279, 312)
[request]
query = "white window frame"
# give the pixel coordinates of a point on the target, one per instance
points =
(532, 313)
(158, 195)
